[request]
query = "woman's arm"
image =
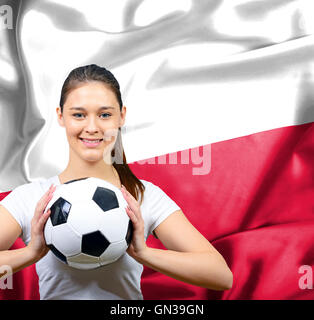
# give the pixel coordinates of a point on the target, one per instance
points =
(189, 258)
(10, 230)
(17, 260)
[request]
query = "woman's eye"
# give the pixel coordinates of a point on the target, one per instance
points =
(80, 115)
(77, 114)
(106, 115)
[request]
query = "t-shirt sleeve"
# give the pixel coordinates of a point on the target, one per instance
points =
(161, 206)
(13, 202)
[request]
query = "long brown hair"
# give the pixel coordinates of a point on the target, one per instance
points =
(94, 72)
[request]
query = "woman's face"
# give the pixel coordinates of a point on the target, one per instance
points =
(91, 117)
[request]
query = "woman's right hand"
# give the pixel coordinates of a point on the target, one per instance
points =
(37, 243)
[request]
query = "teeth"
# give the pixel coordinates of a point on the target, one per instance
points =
(91, 140)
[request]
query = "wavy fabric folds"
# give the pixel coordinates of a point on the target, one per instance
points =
(236, 76)
(202, 71)
(256, 207)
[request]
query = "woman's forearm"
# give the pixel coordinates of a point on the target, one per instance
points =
(16, 259)
(204, 269)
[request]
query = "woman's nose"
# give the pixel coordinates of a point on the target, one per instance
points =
(91, 125)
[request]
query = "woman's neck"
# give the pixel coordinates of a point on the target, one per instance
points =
(102, 171)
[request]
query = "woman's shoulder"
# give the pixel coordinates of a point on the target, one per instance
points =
(148, 185)
(152, 190)
(37, 184)
(145, 182)
(152, 185)
(148, 191)
(159, 194)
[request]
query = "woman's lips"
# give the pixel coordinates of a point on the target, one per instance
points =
(91, 143)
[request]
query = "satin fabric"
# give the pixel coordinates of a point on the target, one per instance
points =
(193, 73)
(256, 207)
(200, 71)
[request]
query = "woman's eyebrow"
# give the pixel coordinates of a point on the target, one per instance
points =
(101, 108)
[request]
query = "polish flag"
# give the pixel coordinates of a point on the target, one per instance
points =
(228, 135)
(255, 206)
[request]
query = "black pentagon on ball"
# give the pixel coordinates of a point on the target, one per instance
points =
(60, 211)
(94, 243)
(57, 253)
(129, 233)
(106, 199)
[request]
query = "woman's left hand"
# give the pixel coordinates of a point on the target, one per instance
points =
(137, 245)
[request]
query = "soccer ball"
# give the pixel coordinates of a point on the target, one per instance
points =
(88, 226)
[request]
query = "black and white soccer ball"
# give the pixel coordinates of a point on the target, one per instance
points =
(88, 226)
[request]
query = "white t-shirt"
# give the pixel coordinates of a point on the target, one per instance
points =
(118, 280)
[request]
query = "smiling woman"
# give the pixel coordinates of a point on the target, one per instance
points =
(91, 142)
(76, 122)
(92, 113)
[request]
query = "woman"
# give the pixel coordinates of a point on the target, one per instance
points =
(92, 113)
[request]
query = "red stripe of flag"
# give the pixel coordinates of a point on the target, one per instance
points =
(256, 206)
